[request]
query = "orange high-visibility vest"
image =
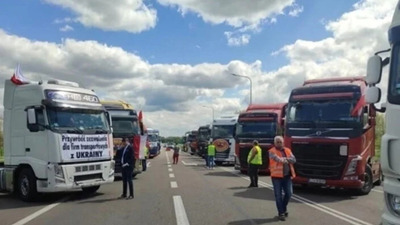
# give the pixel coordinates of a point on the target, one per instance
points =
(275, 167)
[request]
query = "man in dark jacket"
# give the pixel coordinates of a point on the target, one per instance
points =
(127, 168)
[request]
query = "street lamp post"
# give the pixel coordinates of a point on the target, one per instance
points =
(210, 107)
(251, 85)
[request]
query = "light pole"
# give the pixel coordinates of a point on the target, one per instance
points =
(210, 107)
(251, 85)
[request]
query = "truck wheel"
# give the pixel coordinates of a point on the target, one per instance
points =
(243, 171)
(90, 190)
(368, 182)
(27, 185)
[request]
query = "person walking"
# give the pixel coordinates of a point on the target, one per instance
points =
(281, 162)
(127, 169)
(175, 156)
(254, 161)
(211, 155)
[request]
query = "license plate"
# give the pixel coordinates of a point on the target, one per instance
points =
(316, 181)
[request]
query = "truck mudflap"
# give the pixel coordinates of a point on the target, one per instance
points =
(6, 179)
(352, 182)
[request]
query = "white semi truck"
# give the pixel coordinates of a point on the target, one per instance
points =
(56, 138)
(222, 136)
(390, 146)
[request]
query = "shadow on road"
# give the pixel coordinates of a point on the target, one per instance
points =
(12, 201)
(254, 221)
(256, 193)
(222, 174)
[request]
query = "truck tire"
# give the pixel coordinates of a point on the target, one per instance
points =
(368, 182)
(90, 190)
(26, 185)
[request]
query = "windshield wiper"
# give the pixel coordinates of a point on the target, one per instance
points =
(75, 130)
(98, 130)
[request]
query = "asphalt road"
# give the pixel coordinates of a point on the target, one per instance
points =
(188, 193)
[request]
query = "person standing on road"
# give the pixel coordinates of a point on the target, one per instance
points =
(281, 162)
(211, 155)
(127, 168)
(146, 156)
(175, 157)
(254, 161)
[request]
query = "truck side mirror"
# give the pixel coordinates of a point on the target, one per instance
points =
(373, 95)
(374, 70)
(109, 120)
(33, 125)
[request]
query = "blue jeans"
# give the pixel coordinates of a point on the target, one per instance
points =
(211, 161)
(282, 200)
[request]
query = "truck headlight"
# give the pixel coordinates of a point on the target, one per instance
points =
(58, 171)
(352, 168)
(393, 202)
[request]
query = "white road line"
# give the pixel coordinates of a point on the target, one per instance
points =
(315, 205)
(174, 184)
(170, 170)
(376, 190)
(169, 165)
(40, 212)
(180, 213)
(148, 164)
(171, 175)
(189, 164)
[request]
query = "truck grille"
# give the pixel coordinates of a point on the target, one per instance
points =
(319, 161)
(244, 152)
(88, 177)
(87, 168)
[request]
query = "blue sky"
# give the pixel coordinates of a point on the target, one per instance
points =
(170, 57)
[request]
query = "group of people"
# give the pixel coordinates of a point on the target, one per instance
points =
(281, 160)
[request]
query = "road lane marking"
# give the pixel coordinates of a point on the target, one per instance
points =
(180, 212)
(171, 175)
(169, 165)
(376, 190)
(148, 164)
(189, 164)
(40, 212)
(170, 169)
(315, 205)
(174, 184)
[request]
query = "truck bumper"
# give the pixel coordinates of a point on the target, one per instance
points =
(329, 183)
(76, 176)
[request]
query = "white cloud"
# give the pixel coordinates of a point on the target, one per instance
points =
(66, 28)
(124, 15)
(235, 13)
(237, 40)
(296, 10)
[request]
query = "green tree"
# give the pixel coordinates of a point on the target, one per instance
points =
(379, 131)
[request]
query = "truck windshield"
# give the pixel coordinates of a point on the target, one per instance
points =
(153, 138)
(125, 126)
(332, 111)
(256, 128)
(204, 134)
(223, 131)
(192, 137)
(77, 120)
(394, 76)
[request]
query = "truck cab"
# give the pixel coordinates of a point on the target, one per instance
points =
(222, 136)
(203, 137)
(331, 131)
(261, 123)
(153, 136)
(56, 138)
(125, 124)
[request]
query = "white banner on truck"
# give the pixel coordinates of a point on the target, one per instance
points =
(142, 152)
(77, 147)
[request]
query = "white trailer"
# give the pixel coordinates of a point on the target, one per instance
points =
(56, 138)
(390, 146)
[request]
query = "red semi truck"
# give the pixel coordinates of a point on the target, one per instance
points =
(261, 123)
(331, 131)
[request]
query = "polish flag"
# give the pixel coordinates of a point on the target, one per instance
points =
(18, 78)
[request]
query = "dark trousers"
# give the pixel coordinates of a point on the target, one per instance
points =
(253, 174)
(127, 179)
(175, 158)
(144, 164)
(285, 185)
